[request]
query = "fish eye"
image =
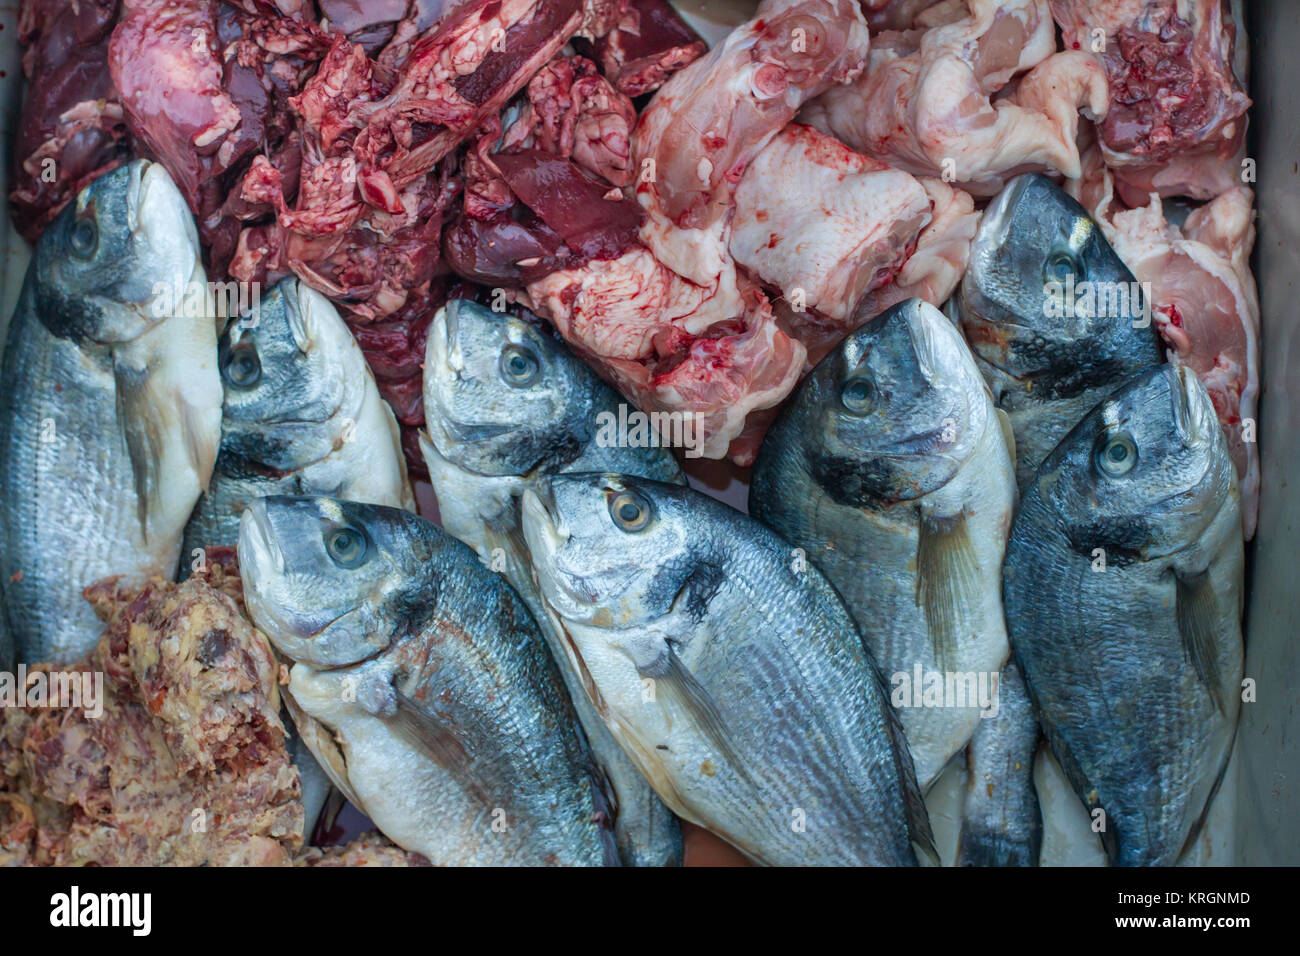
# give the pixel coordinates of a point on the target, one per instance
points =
(519, 366)
(1061, 266)
(347, 547)
(858, 395)
(243, 367)
(84, 238)
(1117, 455)
(630, 511)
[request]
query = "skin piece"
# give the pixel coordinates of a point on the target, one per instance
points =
(110, 406)
(1136, 669)
(301, 415)
(890, 469)
(733, 676)
(506, 403)
(1047, 370)
(434, 704)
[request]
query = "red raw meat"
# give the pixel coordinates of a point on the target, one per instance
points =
(71, 129)
(1177, 121)
(649, 43)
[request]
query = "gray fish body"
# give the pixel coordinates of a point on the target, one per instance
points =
(1123, 594)
(1002, 823)
(110, 407)
(428, 693)
(735, 680)
(871, 493)
(301, 415)
(1055, 319)
(489, 439)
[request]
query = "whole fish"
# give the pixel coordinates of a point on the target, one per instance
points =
(1002, 823)
(434, 704)
(506, 402)
(1123, 588)
(110, 406)
(1055, 319)
(733, 677)
(301, 415)
(890, 469)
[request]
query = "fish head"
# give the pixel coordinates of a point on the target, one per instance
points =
(502, 394)
(612, 551)
(1145, 472)
(119, 259)
(290, 372)
(331, 582)
(1045, 298)
(894, 409)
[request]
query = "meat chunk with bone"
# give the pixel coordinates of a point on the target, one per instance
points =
(823, 225)
(674, 324)
(937, 103)
(1177, 121)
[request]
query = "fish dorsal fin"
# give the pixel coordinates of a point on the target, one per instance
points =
(946, 579)
(1198, 615)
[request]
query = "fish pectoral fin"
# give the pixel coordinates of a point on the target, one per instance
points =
(945, 579)
(681, 688)
(438, 741)
(141, 415)
(1198, 615)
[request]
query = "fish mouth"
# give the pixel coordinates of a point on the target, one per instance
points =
(996, 223)
(546, 535)
(257, 544)
(156, 210)
(1194, 412)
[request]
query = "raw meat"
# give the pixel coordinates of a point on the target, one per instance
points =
(1177, 121)
(647, 45)
(72, 128)
(846, 230)
(674, 324)
(927, 102)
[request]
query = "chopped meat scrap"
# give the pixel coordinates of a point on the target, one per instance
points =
(372, 848)
(186, 765)
(1178, 111)
(649, 43)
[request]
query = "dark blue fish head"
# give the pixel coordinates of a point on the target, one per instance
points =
(119, 259)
